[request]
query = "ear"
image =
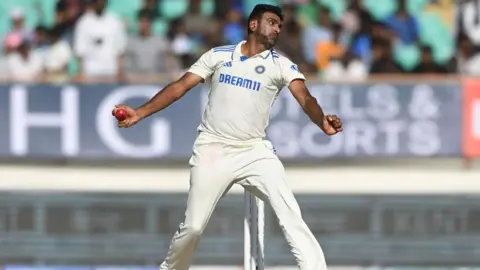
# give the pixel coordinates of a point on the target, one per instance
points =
(253, 25)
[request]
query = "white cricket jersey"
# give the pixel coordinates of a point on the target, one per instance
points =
(242, 90)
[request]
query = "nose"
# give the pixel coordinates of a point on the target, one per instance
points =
(276, 29)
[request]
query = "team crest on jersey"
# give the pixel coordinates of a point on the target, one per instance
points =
(260, 69)
(227, 64)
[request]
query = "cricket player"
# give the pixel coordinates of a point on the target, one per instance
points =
(231, 148)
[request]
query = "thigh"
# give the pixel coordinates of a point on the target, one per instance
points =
(210, 178)
(267, 180)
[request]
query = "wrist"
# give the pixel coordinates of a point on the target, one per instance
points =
(141, 113)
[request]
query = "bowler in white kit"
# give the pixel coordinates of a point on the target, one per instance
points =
(231, 148)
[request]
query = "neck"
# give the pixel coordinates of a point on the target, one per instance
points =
(252, 47)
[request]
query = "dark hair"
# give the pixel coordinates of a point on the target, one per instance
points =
(145, 14)
(381, 42)
(41, 28)
(337, 28)
(260, 9)
(426, 49)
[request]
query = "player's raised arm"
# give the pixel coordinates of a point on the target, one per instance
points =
(199, 71)
(330, 124)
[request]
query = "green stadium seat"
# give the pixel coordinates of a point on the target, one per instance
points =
(443, 51)
(4, 27)
(31, 17)
(73, 67)
(250, 4)
(415, 7)
(208, 7)
(160, 27)
(380, 10)
(308, 13)
(48, 11)
(337, 7)
(407, 56)
(171, 9)
(125, 8)
(432, 28)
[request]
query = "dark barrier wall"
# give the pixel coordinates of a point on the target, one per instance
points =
(136, 229)
(381, 119)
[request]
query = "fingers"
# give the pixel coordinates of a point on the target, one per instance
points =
(124, 123)
(118, 106)
(335, 122)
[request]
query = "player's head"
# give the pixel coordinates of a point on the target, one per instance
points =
(98, 5)
(265, 23)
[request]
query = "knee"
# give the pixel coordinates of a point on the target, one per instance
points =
(193, 230)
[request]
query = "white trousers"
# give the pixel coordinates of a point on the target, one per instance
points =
(215, 167)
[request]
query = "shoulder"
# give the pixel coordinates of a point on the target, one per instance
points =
(224, 49)
(112, 16)
(221, 53)
(283, 62)
(86, 17)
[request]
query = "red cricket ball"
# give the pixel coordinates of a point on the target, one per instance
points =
(121, 114)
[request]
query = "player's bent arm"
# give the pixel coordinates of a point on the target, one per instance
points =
(169, 94)
(308, 102)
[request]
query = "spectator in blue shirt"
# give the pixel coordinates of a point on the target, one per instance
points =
(234, 29)
(314, 34)
(404, 25)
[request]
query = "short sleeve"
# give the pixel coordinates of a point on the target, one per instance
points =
(205, 66)
(290, 72)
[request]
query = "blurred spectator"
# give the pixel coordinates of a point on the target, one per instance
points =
(382, 58)
(40, 37)
(234, 28)
(40, 42)
(358, 23)
(289, 13)
(198, 24)
(18, 29)
(223, 6)
(467, 60)
(67, 13)
(289, 42)
(427, 64)
(317, 33)
(404, 25)
(150, 7)
(100, 43)
(356, 18)
(24, 65)
(181, 42)
(148, 54)
(57, 57)
(330, 49)
(381, 31)
(346, 67)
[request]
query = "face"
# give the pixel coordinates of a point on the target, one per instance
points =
(152, 4)
(100, 5)
(267, 29)
(324, 18)
(145, 26)
(427, 57)
(18, 23)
